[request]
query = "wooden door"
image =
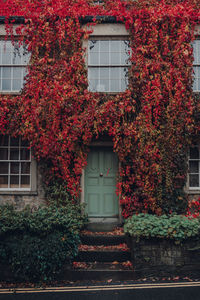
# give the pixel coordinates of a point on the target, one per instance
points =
(100, 183)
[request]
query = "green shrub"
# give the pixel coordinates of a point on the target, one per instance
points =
(57, 195)
(37, 243)
(176, 227)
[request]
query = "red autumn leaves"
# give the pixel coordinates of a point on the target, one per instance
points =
(150, 123)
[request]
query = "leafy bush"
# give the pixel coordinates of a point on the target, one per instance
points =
(37, 243)
(57, 194)
(176, 227)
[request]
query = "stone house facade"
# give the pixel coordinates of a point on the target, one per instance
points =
(107, 51)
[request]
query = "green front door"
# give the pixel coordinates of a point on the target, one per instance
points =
(100, 183)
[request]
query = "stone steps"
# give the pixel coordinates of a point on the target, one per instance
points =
(102, 256)
(102, 239)
(103, 266)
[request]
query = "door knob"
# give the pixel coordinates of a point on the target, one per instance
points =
(101, 174)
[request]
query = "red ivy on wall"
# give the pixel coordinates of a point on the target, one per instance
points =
(151, 123)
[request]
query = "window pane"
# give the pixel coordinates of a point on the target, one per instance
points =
(25, 168)
(14, 141)
(25, 71)
(14, 154)
(194, 166)
(125, 59)
(115, 46)
(14, 181)
(93, 83)
(125, 52)
(115, 86)
(196, 82)
(26, 58)
(3, 140)
(104, 53)
(20, 54)
(104, 46)
(93, 53)
(94, 59)
(104, 58)
(93, 46)
(6, 53)
(24, 143)
(6, 84)
(14, 168)
(115, 58)
(17, 59)
(194, 153)
(3, 167)
(123, 85)
(196, 51)
(103, 86)
(3, 154)
(194, 180)
(195, 88)
(6, 72)
(16, 84)
(104, 73)
(3, 181)
(25, 154)
(124, 76)
(115, 73)
(25, 181)
(17, 72)
(93, 73)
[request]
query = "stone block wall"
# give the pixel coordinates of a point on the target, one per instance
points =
(157, 257)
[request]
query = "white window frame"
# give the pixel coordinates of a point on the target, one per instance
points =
(21, 54)
(191, 188)
(32, 172)
(105, 31)
(109, 66)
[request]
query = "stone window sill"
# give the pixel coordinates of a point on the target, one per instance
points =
(21, 193)
(193, 192)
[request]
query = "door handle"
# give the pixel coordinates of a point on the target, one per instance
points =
(101, 174)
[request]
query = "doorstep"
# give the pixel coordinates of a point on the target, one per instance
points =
(102, 224)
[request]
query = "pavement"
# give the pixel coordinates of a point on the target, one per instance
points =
(139, 291)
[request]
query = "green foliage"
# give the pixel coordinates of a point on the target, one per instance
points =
(36, 244)
(57, 194)
(175, 227)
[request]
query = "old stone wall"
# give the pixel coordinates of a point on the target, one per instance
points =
(157, 257)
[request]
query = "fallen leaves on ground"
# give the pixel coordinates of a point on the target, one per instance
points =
(115, 265)
(79, 265)
(127, 264)
(120, 247)
(115, 231)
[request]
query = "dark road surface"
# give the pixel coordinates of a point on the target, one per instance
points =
(175, 291)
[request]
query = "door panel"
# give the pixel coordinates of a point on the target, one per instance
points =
(93, 204)
(109, 203)
(100, 183)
